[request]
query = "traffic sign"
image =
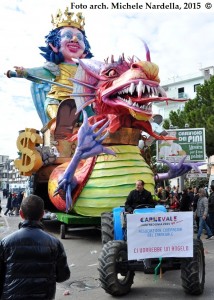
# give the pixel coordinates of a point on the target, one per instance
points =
(196, 175)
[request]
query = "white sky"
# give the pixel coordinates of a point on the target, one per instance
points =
(180, 42)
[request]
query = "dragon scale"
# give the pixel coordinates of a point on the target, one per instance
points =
(111, 180)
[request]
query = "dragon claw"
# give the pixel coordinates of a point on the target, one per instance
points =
(178, 169)
(89, 145)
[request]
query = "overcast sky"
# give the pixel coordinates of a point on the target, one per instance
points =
(180, 42)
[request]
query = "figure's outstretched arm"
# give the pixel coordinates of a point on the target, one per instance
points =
(21, 72)
(178, 169)
(89, 144)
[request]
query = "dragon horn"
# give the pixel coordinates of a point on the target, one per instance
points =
(121, 59)
(148, 58)
(84, 105)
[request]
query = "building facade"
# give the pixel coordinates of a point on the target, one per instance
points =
(10, 178)
(184, 87)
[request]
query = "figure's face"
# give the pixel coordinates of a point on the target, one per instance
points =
(72, 43)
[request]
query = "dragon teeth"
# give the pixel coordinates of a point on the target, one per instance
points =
(152, 90)
(155, 92)
(147, 107)
(161, 91)
(139, 89)
(130, 102)
(132, 88)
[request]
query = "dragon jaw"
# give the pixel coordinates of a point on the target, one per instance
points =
(135, 97)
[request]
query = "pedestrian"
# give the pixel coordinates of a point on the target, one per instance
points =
(161, 193)
(31, 260)
(166, 196)
(138, 197)
(9, 206)
(191, 195)
(20, 198)
(174, 205)
(0, 207)
(185, 201)
(202, 213)
(175, 190)
(211, 209)
(15, 204)
(194, 206)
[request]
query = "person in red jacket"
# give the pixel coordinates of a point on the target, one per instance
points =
(175, 203)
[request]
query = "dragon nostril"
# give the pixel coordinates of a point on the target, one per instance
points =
(135, 66)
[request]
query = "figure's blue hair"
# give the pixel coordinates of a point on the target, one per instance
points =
(55, 39)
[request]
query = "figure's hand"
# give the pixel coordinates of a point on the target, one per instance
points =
(90, 142)
(20, 71)
(180, 168)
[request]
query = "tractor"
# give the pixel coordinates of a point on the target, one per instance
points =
(117, 271)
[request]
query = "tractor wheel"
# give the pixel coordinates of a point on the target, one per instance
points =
(107, 227)
(115, 278)
(193, 270)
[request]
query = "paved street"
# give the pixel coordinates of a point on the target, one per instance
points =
(83, 248)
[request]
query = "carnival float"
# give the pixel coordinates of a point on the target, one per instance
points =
(86, 159)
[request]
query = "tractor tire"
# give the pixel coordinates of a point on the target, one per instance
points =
(193, 270)
(114, 279)
(107, 227)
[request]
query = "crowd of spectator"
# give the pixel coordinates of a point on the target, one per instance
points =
(13, 204)
(191, 199)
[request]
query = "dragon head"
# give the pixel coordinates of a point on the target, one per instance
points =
(123, 88)
(133, 91)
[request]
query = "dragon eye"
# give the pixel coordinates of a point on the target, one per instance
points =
(111, 73)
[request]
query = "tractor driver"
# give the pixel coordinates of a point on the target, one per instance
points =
(138, 196)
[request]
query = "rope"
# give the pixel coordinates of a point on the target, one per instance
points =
(157, 268)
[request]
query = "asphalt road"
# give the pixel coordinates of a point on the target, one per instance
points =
(83, 248)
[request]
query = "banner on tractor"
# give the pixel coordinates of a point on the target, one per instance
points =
(155, 235)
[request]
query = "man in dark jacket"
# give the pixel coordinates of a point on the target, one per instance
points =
(211, 209)
(31, 260)
(138, 196)
(185, 202)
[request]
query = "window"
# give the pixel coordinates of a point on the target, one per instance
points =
(196, 86)
(181, 92)
(207, 74)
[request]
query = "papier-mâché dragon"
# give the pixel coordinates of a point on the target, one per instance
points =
(121, 94)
